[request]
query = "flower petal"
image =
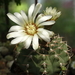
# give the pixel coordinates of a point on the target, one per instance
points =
(58, 14)
(25, 38)
(30, 12)
(51, 33)
(44, 34)
(39, 16)
(35, 42)
(12, 35)
(28, 42)
(15, 28)
(14, 19)
(16, 40)
(42, 19)
(36, 10)
(18, 15)
(15, 34)
(46, 23)
(24, 16)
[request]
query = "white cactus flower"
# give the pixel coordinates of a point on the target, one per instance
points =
(52, 11)
(30, 28)
(73, 64)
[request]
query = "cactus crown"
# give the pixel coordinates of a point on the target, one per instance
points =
(49, 59)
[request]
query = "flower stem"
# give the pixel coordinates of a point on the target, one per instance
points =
(36, 1)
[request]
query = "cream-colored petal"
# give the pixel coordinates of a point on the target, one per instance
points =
(43, 34)
(15, 28)
(14, 19)
(42, 19)
(16, 40)
(46, 23)
(35, 42)
(36, 10)
(30, 12)
(27, 43)
(19, 16)
(24, 16)
(58, 14)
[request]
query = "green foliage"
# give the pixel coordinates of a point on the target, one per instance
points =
(49, 59)
(8, 1)
(18, 1)
(1, 2)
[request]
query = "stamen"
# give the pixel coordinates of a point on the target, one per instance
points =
(31, 29)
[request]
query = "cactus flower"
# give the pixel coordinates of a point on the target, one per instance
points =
(29, 29)
(52, 11)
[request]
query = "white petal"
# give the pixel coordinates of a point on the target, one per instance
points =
(51, 33)
(30, 12)
(15, 34)
(24, 16)
(39, 16)
(15, 28)
(35, 42)
(28, 42)
(42, 19)
(14, 19)
(47, 23)
(12, 35)
(16, 40)
(25, 38)
(36, 10)
(18, 15)
(43, 34)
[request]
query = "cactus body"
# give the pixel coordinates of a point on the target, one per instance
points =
(49, 59)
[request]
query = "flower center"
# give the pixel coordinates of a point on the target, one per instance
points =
(31, 29)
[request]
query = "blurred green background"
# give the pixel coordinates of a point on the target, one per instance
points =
(64, 26)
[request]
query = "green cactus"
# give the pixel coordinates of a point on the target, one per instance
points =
(50, 59)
